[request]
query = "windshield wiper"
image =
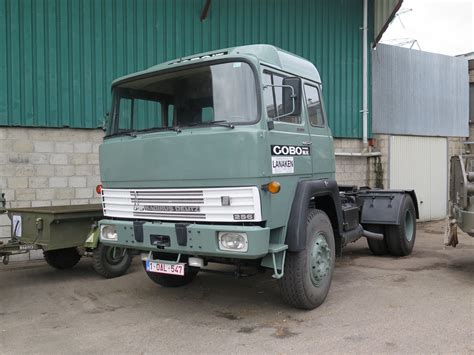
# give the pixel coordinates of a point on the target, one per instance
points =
(147, 130)
(156, 129)
(116, 134)
(222, 123)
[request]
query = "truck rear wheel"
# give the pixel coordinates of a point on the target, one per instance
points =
(111, 261)
(377, 247)
(308, 273)
(401, 239)
(171, 280)
(62, 258)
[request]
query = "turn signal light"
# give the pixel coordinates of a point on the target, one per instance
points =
(98, 189)
(272, 187)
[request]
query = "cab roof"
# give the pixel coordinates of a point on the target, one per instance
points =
(264, 53)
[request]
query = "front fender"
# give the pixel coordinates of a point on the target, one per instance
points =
(306, 189)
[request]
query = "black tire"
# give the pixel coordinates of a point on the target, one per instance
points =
(172, 280)
(377, 247)
(111, 262)
(62, 258)
(307, 278)
(401, 239)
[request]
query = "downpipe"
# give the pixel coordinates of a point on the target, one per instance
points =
(365, 78)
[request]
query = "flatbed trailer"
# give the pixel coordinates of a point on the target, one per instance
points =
(65, 234)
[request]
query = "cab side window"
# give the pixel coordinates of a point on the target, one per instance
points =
(313, 104)
(273, 97)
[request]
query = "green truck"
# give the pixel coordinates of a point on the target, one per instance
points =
(227, 157)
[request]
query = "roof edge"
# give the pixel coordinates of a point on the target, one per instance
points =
(387, 23)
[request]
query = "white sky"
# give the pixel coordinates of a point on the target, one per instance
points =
(440, 26)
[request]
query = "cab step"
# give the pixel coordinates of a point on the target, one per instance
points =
(278, 253)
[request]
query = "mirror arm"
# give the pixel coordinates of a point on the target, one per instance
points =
(270, 122)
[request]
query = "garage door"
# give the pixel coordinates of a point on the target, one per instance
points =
(421, 163)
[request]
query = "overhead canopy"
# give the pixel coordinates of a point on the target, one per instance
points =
(384, 12)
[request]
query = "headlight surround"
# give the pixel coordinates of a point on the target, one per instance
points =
(233, 241)
(108, 232)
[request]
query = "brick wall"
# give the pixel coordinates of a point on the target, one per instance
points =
(379, 166)
(44, 167)
(456, 146)
(361, 171)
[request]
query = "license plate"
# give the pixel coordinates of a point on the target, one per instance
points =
(161, 268)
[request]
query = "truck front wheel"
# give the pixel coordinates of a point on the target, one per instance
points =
(110, 261)
(62, 258)
(308, 273)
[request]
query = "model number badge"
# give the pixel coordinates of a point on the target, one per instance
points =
(244, 216)
(290, 150)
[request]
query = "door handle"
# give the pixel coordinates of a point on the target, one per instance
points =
(307, 143)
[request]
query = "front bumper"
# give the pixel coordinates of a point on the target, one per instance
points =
(201, 239)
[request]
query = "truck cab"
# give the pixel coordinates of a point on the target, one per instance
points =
(227, 157)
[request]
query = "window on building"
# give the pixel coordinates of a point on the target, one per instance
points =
(313, 104)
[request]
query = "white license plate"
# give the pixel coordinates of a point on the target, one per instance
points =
(161, 268)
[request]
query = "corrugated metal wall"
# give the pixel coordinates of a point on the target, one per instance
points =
(419, 93)
(58, 57)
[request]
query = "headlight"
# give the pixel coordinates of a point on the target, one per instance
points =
(233, 241)
(108, 232)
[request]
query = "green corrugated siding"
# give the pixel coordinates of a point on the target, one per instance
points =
(59, 57)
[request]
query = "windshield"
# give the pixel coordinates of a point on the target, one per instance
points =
(221, 92)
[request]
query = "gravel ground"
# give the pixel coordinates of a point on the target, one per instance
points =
(423, 303)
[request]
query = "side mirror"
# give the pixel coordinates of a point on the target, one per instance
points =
(292, 96)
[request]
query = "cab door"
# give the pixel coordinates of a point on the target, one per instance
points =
(290, 141)
(321, 137)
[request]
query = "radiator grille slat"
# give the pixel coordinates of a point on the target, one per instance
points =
(184, 204)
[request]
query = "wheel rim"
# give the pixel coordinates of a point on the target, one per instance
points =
(114, 255)
(409, 225)
(320, 264)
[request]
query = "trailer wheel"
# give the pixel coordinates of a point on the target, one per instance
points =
(171, 280)
(111, 262)
(377, 247)
(401, 239)
(62, 258)
(308, 273)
